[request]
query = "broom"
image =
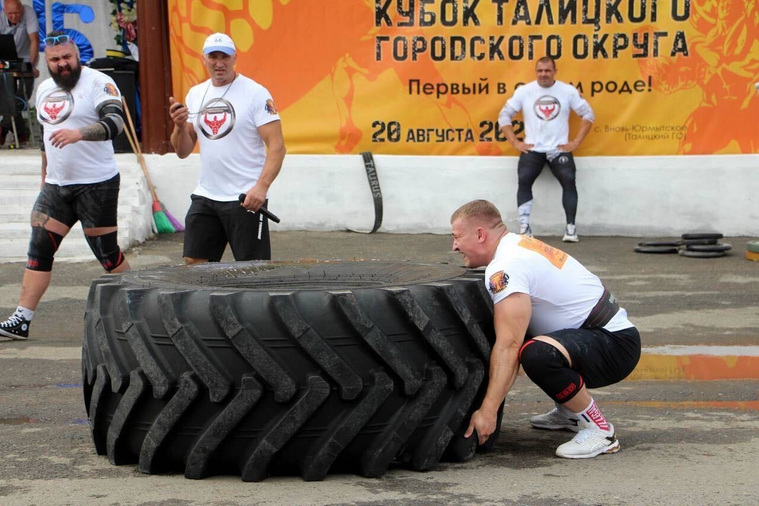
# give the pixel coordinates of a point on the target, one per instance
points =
(165, 223)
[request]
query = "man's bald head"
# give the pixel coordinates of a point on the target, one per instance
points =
(14, 11)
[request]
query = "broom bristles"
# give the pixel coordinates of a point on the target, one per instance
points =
(178, 227)
(162, 223)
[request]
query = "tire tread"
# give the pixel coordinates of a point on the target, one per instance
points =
(188, 390)
(240, 405)
(257, 465)
(317, 348)
(138, 384)
(189, 343)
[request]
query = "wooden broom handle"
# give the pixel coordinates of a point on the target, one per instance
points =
(131, 134)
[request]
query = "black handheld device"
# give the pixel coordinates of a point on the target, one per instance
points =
(273, 217)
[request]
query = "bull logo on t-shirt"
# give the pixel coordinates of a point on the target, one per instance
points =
(56, 107)
(216, 119)
(546, 108)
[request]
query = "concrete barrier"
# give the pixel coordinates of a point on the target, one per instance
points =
(625, 196)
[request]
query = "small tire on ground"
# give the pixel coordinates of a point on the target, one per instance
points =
(659, 244)
(702, 235)
(683, 242)
(656, 249)
(701, 254)
(709, 247)
(689, 242)
(261, 368)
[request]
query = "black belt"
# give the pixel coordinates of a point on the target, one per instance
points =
(603, 311)
(374, 186)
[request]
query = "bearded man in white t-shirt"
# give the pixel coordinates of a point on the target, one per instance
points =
(237, 125)
(545, 104)
(80, 111)
(556, 319)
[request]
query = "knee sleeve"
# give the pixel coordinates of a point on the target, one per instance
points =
(549, 369)
(106, 250)
(42, 247)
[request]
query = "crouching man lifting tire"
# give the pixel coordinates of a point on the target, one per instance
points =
(577, 335)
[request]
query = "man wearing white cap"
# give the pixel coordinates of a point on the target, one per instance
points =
(241, 151)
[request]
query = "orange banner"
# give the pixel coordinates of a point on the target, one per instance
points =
(428, 77)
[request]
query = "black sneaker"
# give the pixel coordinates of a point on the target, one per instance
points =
(16, 327)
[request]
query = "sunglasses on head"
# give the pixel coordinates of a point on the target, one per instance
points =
(57, 40)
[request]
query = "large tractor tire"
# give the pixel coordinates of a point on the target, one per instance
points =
(263, 368)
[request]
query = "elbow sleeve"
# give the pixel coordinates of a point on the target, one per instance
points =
(111, 119)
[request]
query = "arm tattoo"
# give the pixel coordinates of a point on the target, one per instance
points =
(94, 132)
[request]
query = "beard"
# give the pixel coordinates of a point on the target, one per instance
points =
(68, 82)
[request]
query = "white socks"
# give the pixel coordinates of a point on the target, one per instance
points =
(592, 418)
(26, 314)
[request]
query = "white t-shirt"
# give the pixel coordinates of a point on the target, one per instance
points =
(83, 162)
(232, 154)
(561, 290)
(546, 113)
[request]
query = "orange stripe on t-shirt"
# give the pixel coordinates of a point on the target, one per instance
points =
(554, 255)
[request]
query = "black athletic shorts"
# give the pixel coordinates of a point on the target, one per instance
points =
(95, 205)
(601, 357)
(210, 225)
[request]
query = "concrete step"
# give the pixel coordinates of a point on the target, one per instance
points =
(23, 166)
(19, 197)
(21, 181)
(15, 213)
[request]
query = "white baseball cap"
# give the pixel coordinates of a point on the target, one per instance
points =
(219, 42)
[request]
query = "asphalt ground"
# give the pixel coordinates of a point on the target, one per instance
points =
(684, 440)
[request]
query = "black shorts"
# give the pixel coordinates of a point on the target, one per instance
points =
(210, 225)
(601, 357)
(95, 205)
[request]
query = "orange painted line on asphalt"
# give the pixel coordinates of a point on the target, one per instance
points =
(695, 367)
(740, 405)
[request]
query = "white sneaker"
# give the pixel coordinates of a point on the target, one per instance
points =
(570, 234)
(588, 443)
(525, 229)
(556, 419)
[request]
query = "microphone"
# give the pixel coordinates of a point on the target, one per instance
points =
(273, 217)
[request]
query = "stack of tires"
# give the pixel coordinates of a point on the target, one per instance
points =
(263, 368)
(696, 245)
